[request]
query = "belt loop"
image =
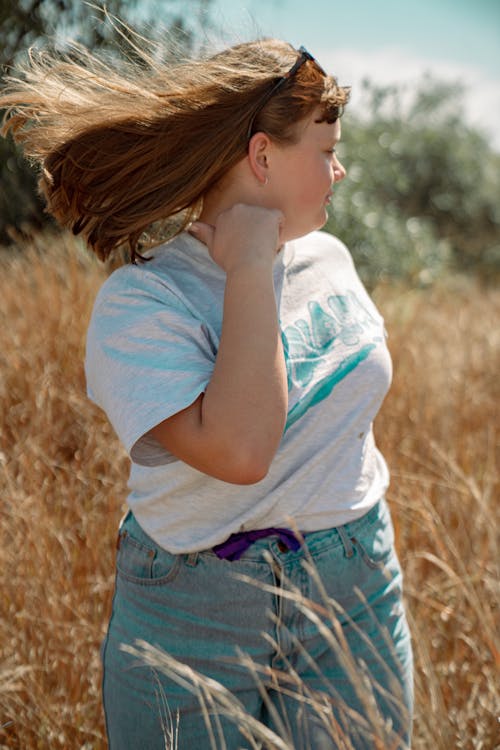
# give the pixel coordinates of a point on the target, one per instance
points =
(348, 548)
(192, 559)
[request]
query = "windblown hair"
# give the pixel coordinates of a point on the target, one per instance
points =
(122, 148)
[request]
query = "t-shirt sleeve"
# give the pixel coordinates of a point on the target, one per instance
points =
(148, 357)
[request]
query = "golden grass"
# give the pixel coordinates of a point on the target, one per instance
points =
(63, 482)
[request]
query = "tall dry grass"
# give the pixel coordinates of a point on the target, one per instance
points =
(63, 482)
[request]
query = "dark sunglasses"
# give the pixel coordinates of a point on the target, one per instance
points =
(304, 57)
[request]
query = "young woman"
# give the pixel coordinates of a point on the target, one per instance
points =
(242, 365)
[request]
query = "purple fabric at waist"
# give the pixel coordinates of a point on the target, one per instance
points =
(235, 545)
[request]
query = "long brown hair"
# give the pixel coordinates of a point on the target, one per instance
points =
(121, 149)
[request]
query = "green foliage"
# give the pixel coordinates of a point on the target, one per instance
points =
(21, 208)
(423, 189)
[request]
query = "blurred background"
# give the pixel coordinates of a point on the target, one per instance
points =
(421, 140)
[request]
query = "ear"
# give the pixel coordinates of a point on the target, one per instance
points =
(259, 147)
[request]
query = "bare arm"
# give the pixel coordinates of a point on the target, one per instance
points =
(232, 431)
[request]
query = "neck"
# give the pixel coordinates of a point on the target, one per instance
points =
(238, 186)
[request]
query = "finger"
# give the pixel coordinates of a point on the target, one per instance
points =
(203, 232)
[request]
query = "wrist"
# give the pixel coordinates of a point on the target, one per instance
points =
(258, 266)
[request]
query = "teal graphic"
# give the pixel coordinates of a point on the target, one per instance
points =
(307, 343)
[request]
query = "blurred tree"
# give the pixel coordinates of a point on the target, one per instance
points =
(24, 23)
(423, 189)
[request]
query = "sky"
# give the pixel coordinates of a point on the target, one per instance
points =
(387, 41)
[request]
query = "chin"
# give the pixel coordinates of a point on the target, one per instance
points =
(320, 223)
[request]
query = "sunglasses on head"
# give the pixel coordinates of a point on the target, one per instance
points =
(304, 56)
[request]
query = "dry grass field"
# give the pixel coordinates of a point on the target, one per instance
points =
(63, 483)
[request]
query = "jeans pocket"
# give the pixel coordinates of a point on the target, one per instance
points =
(375, 543)
(372, 563)
(145, 563)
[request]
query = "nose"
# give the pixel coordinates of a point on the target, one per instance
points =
(339, 172)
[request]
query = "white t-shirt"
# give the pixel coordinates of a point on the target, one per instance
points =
(151, 348)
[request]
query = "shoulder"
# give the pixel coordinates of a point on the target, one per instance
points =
(129, 281)
(323, 246)
(159, 280)
(323, 241)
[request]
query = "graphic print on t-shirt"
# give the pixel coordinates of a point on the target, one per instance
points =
(310, 344)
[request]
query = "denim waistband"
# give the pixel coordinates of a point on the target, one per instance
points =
(252, 542)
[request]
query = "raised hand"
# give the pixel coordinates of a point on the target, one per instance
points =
(243, 235)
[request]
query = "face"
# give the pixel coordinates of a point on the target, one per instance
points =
(302, 177)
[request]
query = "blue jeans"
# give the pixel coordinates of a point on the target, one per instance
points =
(351, 653)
